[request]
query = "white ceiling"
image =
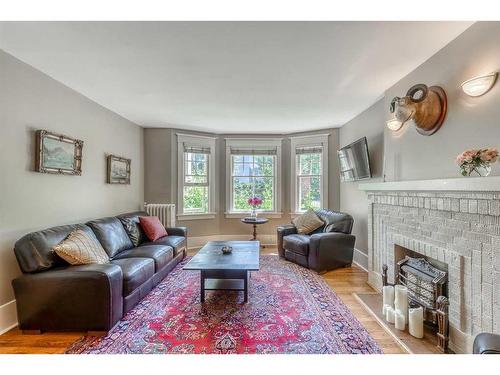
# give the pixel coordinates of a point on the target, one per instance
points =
(229, 77)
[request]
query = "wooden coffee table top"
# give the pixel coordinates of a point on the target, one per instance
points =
(245, 256)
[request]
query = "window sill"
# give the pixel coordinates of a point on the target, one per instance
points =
(209, 215)
(293, 215)
(241, 215)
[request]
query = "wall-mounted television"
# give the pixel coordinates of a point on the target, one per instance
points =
(354, 161)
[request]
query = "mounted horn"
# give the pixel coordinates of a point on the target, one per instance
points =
(426, 106)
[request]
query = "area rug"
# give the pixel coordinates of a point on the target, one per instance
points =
(290, 310)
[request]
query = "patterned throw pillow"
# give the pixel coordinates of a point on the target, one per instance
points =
(307, 222)
(81, 247)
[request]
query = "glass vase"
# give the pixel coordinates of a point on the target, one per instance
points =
(483, 170)
(253, 213)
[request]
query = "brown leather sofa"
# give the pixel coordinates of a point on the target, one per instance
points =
(328, 247)
(52, 295)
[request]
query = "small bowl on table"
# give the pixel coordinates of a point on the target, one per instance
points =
(226, 249)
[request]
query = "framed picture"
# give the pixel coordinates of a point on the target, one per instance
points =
(118, 170)
(56, 153)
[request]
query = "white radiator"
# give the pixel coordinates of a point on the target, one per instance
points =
(164, 211)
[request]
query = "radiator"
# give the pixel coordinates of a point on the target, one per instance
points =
(164, 211)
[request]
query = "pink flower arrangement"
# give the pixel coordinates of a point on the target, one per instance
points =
(254, 201)
(477, 160)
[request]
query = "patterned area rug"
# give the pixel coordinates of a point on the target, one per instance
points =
(290, 310)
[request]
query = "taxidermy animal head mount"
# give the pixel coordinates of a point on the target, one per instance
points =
(426, 106)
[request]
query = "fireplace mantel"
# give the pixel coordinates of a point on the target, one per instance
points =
(470, 184)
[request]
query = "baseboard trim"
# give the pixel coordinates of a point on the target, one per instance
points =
(360, 259)
(8, 316)
(198, 242)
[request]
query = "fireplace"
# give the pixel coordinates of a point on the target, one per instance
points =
(427, 282)
(454, 221)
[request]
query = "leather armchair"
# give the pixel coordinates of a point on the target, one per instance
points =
(328, 247)
(486, 343)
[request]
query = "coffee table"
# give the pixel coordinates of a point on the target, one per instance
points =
(225, 271)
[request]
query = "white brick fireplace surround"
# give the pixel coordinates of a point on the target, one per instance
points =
(454, 221)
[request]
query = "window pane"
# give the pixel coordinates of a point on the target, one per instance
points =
(196, 164)
(264, 189)
(309, 192)
(309, 164)
(242, 190)
(195, 199)
(253, 177)
(241, 169)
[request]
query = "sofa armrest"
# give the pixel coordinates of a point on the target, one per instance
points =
(282, 231)
(177, 231)
(78, 298)
(330, 250)
(486, 343)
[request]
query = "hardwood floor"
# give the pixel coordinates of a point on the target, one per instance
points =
(343, 281)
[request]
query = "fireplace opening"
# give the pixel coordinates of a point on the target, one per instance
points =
(427, 282)
(427, 277)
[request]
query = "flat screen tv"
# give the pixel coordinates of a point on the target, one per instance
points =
(354, 161)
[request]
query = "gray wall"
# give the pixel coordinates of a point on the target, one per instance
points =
(30, 201)
(161, 179)
(471, 122)
(369, 124)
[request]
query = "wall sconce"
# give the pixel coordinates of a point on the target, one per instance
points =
(478, 86)
(394, 124)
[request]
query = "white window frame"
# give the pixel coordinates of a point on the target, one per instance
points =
(254, 143)
(315, 140)
(196, 141)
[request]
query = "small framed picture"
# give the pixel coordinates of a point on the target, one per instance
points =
(118, 170)
(57, 153)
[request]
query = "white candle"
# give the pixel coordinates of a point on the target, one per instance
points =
(401, 300)
(389, 314)
(400, 320)
(384, 309)
(416, 322)
(388, 295)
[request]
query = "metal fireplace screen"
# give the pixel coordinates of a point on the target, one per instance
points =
(427, 287)
(425, 282)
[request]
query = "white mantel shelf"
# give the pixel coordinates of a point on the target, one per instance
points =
(447, 184)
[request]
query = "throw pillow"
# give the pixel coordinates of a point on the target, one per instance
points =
(153, 227)
(133, 229)
(307, 222)
(81, 247)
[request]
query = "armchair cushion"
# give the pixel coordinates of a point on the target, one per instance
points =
(307, 222)
(298, 243)
(335, 221)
